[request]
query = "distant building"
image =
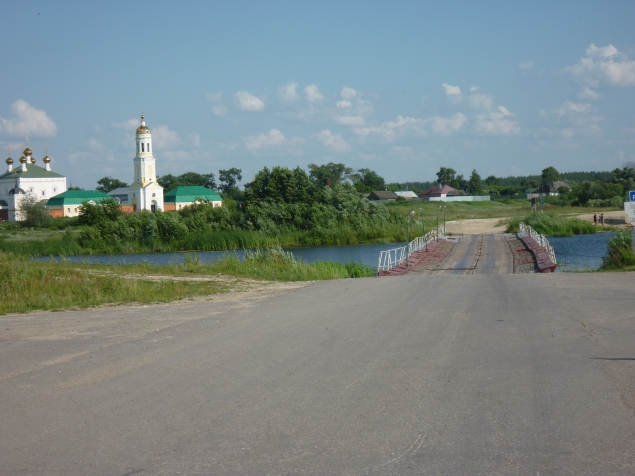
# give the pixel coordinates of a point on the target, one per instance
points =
(182, 197)
(438, 191)
(120, 195)
(69, 203)
(408, 195)
(382, 195)
(548, 190)
(27, 179)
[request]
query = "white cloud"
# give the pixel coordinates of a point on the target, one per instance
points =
(273, 138)
(444, 126)
(573, 108)
(388, 131)
(28, 121)
(480, 101)
(343, 104)
(474, 88)
(94, 144)
(567, 133)
(194, 140)
(604, 65)
(497, 123)
(164, 138)
(288, 92)
(526, 65)
(249, 102)
(128, 125)
(452, 92)
(350, 120)
(218, 108)
(592, 130)
(312, 93)
(334, 142)
(348, 93)
(588, 93)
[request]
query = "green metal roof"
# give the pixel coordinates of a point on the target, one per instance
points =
(77, 197)
(191, 194)
(3, 203)
(32, 171)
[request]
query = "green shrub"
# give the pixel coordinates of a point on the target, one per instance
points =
(620, 253)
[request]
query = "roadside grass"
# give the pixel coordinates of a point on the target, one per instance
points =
(551, 224)
(28, 285)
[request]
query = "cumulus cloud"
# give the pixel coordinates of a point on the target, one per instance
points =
(388, 131)
(216, 100)
(480, 101)
(249, 102)
(334, 142)
(94, 144)
(164, 138)
(343, 104)
(27, 120)
(497, 123)
(526, 65)
(572, 108)
(352, 121)
(127, 125)
(474, 88)
(313, 94)
(588, 93)
(452, 92)
(441, 125)
(273, 138)
(288, 92)
(348, 93)
(604, 66)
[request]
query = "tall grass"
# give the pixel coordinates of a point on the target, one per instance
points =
(621, 254)
(27, 285)
(552, 225)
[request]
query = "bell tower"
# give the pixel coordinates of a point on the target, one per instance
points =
(145, 171)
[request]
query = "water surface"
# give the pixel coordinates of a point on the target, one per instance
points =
(580, 252)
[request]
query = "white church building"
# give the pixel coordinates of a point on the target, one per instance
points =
(27, 179)
(144, 193)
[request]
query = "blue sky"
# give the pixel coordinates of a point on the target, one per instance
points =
(403, 88)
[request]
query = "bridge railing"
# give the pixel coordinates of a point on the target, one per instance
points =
(390, 258)
(540, 239)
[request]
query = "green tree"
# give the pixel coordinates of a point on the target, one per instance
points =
(475, 184)
(550, 174)
(33, 212)
(336, 172)
(170, 182)
(97, 213)
(492, 180)
(229, 178)
(446, 176)
(108, 184)
(366, 180)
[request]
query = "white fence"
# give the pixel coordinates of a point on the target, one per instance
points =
(540, 239)
(391, 258)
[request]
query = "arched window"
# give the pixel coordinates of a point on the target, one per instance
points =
(142, 147)
(148, 147)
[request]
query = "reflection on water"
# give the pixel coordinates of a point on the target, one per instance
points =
(580, 252)
(367, 254)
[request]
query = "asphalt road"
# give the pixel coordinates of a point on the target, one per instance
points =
(450, 374)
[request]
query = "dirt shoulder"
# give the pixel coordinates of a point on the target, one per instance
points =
(477, 226)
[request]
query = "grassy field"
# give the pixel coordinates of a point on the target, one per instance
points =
(504, 208)
(27, 285)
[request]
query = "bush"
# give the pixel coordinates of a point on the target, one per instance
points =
(621, 253)
(552, 224)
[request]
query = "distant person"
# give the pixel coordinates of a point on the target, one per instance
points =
(602, 218)
(595, 219)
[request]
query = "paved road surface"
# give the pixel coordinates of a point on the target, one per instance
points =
(449, 374)
(479, 254)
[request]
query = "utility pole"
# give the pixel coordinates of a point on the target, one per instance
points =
(444, 207)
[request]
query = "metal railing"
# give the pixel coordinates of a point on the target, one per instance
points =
(390, 258)
(540, 239)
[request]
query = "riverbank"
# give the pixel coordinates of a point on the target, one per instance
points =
(29, 285)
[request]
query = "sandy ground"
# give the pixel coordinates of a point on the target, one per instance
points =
(478, 226)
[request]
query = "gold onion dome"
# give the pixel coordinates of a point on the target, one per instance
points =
(23, 160)
(32, 160)
(46, 159)
(143, 129)
(27, 151)
(9, 161)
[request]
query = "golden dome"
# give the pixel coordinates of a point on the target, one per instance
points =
(9, 161)
(27, 152)
(46, 159)
(23, 160)
(143, 129)
(32, 160)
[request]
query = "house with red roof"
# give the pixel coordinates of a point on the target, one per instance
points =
(438, 191)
